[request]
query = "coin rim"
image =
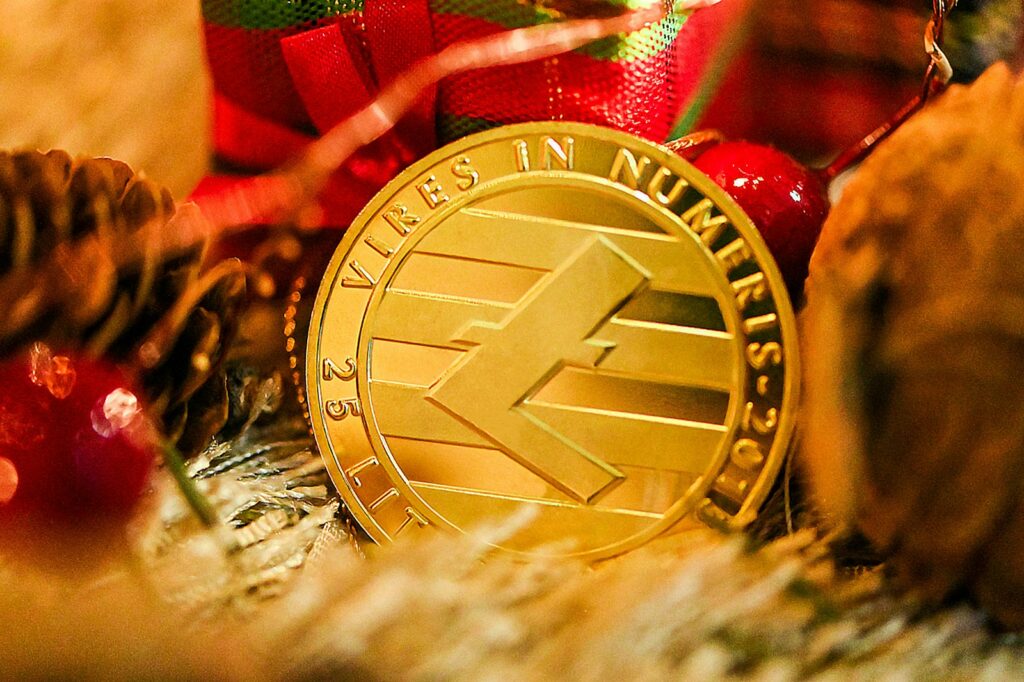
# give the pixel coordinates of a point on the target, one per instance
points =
(783, 437)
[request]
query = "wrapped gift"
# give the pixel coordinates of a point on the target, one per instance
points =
(285, 72)
(819, 74)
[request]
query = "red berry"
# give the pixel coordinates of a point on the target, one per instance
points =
(72, 459)
(786, 201)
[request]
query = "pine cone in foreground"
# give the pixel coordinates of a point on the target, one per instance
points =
(128, 299)
(914, 340)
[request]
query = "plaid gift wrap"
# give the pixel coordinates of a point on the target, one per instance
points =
(820, 74)
(285, 71)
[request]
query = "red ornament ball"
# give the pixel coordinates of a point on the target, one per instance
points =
(786, 201)
(73, 454)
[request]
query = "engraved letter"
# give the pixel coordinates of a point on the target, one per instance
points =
(364, 280)
(627, 170)
(399, 218)
(655, 188)
(732, 486)
(462, 168)
(339, 409)
(432, 192)
(379, 246)
(762, 355)
(734, 254)
(387, 496)
(412, 516)
(355, 470)
(746, 454)
(750, 288)
(331, 370)
(713, 515)
(698, 217)
(763, 426)
(522, 155)
(564, 153)
(760, 323)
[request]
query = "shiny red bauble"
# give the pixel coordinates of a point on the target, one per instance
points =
(786, 201)
(74, 459)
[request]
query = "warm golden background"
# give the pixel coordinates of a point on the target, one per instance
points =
(120, 78)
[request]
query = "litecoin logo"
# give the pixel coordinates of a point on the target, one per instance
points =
(587, 337)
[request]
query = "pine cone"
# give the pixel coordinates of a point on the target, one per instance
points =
(81, 268)
(914, 337)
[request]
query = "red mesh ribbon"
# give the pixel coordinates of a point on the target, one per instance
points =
(286, 72)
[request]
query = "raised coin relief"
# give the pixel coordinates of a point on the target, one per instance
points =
(585, 326)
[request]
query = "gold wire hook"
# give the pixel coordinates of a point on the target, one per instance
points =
(939, 68)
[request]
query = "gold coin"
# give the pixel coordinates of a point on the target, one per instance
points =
(555, 316)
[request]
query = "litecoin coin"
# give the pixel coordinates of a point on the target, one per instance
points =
(554, 316)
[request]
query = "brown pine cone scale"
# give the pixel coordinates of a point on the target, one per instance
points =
(81, 268)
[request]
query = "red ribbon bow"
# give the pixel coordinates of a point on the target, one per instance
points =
(333, 81)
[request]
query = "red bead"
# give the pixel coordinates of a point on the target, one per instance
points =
(786, 201)
(71, 455)
(8, 480)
